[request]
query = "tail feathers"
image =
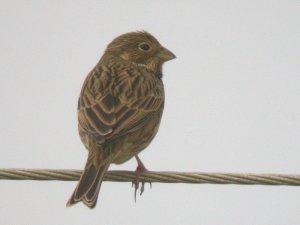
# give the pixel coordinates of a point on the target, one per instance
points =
(88, 187)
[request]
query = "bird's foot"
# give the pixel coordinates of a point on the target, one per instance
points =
(139, 169)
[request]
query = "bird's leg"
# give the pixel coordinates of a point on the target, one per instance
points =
(139, 169)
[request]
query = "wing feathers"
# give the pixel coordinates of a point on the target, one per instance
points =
(110, 103)
(96, 123)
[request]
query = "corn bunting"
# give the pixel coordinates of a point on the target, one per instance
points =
(120, 108)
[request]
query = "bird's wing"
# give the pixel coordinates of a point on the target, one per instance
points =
(111, 104)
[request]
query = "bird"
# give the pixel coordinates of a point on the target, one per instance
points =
(120, 108)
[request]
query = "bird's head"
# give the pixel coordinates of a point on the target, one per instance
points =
(141, 49)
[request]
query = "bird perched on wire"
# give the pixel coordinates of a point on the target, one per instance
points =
(120, 108)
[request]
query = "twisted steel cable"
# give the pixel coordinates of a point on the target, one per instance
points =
(162, 177)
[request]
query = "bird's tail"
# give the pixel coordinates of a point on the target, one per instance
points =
(88, 187)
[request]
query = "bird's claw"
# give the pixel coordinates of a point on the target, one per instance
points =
(140, 169)
(136, 185)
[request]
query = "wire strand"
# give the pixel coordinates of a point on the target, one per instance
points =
(161, 177)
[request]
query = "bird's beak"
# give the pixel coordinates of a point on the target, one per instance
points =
(166, 54)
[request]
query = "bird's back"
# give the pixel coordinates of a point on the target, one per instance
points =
(119, 110)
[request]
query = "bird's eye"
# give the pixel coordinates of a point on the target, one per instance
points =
(144, 46)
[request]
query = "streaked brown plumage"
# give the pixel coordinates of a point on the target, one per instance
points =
(120, 107)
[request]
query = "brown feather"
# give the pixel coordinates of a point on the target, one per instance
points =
(119, 107)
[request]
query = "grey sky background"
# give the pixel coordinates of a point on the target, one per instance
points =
(232, 105)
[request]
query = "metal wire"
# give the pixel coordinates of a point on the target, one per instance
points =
(161, 177)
